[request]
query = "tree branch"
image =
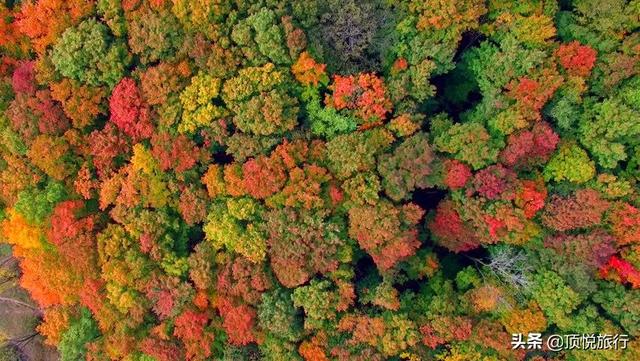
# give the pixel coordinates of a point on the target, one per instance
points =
(6, 260)
(20, 303)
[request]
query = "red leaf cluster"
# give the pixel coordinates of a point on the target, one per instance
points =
(161, 350)
(364, 93)
(530, 147)
(450, 231)
(239, 322)
(583, 209)
(445, 329)
(495, 182)
(456, 174)
(622, 271)
(625, 223)
(174, 152)
(531, 196)
(386, 232)
(23, 79)
(576, 58)
(128, 111)
(242, 279)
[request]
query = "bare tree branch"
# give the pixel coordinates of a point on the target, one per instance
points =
(20, 303)
(509, 267)
(4, 261)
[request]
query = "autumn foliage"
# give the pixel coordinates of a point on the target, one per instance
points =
(322, 180)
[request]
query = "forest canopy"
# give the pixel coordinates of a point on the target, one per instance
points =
(315, 180)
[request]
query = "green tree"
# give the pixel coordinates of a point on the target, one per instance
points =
(154, 35)
(618, 303)
(318, 302)
(407, 168)
(232, 224)
(261, 101)
(469, 143)
(88, 53)
(609, 128)
(555, 298)
(278, 316)
(261, 39)
(73, 341)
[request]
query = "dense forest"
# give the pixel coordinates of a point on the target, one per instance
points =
(315, 180)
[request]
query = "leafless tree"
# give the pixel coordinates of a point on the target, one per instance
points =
(13, 349)
(509, 266)
(353, 34)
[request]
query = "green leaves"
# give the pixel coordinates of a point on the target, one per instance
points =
(89, 54)
(610, 128)
(355, 152)
(73, 341)
(323, 179)
(260, 98)
(555, 298)
(620, 303)
(326, 121)
(407, 168)
(278, 316)
(261, 32)
(318, 302)
(469, 143)
(36, 204)
(154, 35)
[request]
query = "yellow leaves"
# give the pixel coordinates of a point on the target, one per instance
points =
(570, 163)
(198, 15)
(456, 353)
(109, 190)
(612, 187)
(250, 81)
(202, 90)
(152, 187)
(16, 231)
(196, 100)
(141, 182)
(535, 30)
(268, 76)
(142, 160)
(252, 245)
(530, 319)
(230, 225)
(400, 335)
(410, 356)
(121, 298)
(508, 121)
(157, 193)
